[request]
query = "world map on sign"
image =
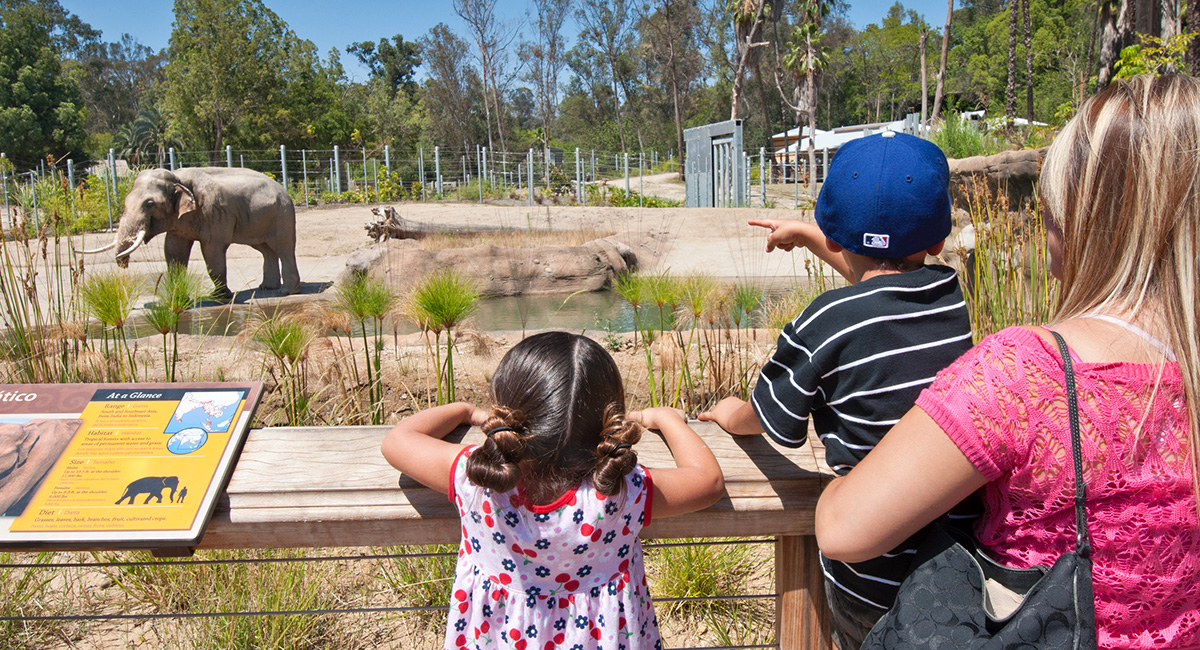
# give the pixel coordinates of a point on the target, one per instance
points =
(210, 411)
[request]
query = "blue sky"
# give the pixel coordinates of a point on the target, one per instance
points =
(337, 23)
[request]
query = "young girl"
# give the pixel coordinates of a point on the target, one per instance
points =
(552, 502)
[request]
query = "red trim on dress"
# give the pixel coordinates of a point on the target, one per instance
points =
(649, 481)
(453, 466)
(549, 507)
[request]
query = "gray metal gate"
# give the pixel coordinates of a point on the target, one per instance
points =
(715, 168)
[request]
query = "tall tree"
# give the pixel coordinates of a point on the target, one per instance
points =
(118, 81)
(69, 35)
(224, 69)
(1010, 91)
(453, 92)
(1028, 62)
(544, 60)
(608, 26)
(41, 112)
(940, 86)
(672, 26)
(749, 19)
(393, 62)
(492, 39)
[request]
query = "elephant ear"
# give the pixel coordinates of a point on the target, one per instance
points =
(187, 200)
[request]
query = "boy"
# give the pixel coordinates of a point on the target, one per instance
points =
(858, 356)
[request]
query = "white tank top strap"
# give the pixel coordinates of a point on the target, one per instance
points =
(1139, 332)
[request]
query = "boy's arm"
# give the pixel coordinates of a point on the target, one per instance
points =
(787, 234)
(415, 446)
(734, 415)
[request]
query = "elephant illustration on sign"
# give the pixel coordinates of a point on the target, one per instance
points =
(216, 206)
(152, 487)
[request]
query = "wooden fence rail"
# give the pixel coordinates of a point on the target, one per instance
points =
(329, 486)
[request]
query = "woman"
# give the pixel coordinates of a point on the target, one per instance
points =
(1119, 190)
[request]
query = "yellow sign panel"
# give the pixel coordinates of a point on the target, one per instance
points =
(140, 463)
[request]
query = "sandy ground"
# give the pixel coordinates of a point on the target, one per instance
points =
(716, 241)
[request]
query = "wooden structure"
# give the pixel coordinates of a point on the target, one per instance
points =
(329, 486)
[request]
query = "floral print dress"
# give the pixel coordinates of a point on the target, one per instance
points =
(563, 575)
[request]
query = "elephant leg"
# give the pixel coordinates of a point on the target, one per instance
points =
(177, 250)
(291, 274)
(270, 276)
(214, 258)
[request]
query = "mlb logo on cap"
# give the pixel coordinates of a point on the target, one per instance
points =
(886, 196)
(872, 240)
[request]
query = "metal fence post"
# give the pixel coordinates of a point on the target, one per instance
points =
(825, 164)
(229, 155)
(349, 177)
(108, 197)
(304, 173)
(112, 169)
(421, 170)
(387, 159)
(762, 178)
(71, 173)
(171, 151)
(283, 164)
(365, 188)
(437, 168)
(4, 179)
(529, 171)
(33, 180)
(337, 169)
(593, 178)
(481, 152)
(641, 182)
(626, 174)
(578, 179)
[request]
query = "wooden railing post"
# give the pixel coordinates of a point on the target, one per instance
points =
(801, 613)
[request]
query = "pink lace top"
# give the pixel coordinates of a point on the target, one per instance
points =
(1004, 405)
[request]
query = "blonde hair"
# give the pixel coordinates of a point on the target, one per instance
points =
(1122, 183)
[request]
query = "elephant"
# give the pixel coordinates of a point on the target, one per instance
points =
(216, 206)
(152, 487)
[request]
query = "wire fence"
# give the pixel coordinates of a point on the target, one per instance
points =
(323, 176)
(12, 610)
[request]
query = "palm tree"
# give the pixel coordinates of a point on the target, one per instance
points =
(805, 58)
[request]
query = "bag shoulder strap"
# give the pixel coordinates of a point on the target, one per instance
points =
(1083, 544)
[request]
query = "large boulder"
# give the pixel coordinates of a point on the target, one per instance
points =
(1011, 175)
(501, 271)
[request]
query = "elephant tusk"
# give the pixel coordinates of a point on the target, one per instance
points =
(101, 249)
(137, 242)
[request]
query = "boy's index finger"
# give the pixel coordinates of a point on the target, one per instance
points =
(764, 223)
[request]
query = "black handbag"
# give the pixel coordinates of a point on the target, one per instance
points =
(958, 597)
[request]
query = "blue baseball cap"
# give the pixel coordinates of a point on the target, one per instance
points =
(886, 196)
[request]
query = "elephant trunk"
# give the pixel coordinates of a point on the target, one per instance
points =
(123, 256)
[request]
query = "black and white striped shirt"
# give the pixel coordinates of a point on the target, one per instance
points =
(854, 361)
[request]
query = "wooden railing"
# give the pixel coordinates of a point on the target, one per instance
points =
(329, 486)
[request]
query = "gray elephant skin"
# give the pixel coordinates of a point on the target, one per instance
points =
(216, 206)
(152, 487)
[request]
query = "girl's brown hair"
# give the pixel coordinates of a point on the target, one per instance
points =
(1122, 184)
(559, 417)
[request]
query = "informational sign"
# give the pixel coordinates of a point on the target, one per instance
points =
(131, 465)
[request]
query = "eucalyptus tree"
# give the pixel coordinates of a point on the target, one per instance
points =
(608, 27)
(452, 92)
(492, 39)
(544, 58)
(670, 29)
(117, 81)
